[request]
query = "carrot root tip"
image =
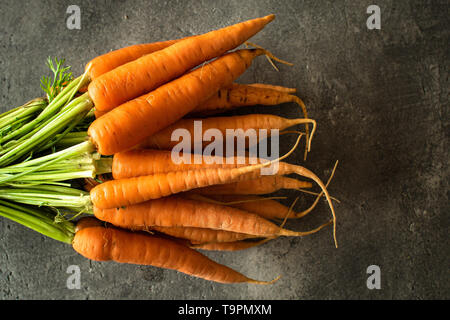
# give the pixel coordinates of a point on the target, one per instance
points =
(264, 282)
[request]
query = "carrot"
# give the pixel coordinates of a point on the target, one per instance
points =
(262, 206)
(111, 60)
(259, 186)
(104, 244)
(197, 235)
(239, 95)
(129, 124)
(99, 113)
(180, 212)
(142, 75)
(229, 246)
(163, 138)
(277, 88)
(142, 162)
(87, 222)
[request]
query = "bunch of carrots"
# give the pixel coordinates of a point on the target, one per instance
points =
(99, 147)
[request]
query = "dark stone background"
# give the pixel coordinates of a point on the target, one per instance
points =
(381, 101)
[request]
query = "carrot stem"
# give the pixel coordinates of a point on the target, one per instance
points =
(50, 196)
(20, 115)
(56, 124)
(72, 138)
(38, 220)
(79, 161)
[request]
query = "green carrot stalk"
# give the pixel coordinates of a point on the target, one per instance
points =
(78, 161)
(57, 124)
(72, 138)
(19, 117)
(28, 109)
(50, 196)
(40, 220)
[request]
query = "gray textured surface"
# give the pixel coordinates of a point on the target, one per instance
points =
(381, 101)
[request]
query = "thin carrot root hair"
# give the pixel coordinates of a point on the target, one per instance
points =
(273, 87)
(307, 173)
(300, 102)
(289, 212)
(269, 163)
(310, 232)
(308, 138)
(302, 105)
(308, 141)
(264, 282)
(306, 232)
(269, 55)
(317, 193)
(305, 212)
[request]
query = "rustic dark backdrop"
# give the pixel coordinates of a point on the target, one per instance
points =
(380, 98)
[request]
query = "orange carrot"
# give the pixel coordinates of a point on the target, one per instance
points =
(99, 113)
(163, 138)
(87, 222)
(262, 206)
(259, 186)
(277, 88)
(202, 235)
(111, 60)
(142, 75)
(129, 124)
(105, 244)
(142, 162)
(229, 246)
(180, 212)
(239, 95)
